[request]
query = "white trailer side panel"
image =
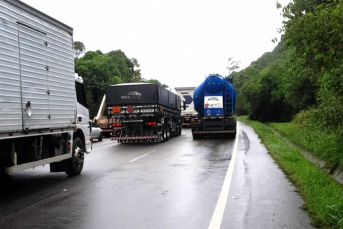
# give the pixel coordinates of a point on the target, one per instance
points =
(186, 94)
(36, 66)
(10, 90)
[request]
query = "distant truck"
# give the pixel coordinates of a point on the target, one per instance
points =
(106, 124)
(186, 94)
(214, 100)
(143, 112)
(43, 108)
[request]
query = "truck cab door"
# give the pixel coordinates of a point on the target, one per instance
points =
(83, 114)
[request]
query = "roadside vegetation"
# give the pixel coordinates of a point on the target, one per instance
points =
(300, 82)
(326, 146)
(303, 75)
(323, 196)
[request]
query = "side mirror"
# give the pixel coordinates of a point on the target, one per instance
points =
(90, 126)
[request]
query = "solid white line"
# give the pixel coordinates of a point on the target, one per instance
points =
(140, 157)
(217, 217)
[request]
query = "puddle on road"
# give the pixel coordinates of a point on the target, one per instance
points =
(246, 142)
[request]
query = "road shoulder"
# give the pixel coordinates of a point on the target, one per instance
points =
(260, 194)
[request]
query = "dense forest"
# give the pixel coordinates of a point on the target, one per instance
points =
(302, 78)
(100, 70)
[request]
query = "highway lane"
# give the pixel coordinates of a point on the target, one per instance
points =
(175, 184)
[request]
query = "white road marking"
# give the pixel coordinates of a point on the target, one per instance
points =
(140, 157)
(217, 217)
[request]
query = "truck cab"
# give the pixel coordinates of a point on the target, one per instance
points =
(81, 137)
(83, 122)
(186, 94)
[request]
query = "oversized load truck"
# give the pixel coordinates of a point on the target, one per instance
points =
(144, 112)
(214, 100)
(186, 94)
(43, 110)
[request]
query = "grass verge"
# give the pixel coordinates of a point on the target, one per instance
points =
(328, 147)
(323, 196)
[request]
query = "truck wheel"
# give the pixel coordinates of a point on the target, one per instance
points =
(163, 134)
(167, 132)
(233, 136)
(100, 137)
(77, 160)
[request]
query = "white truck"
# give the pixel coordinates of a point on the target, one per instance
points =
(186, 94)
(43, 108)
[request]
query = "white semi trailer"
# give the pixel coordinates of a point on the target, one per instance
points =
(186, 94)
(43, 110)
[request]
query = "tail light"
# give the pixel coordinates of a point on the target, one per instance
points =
(115, 109)
(116, 124)
(195, 121)
(151, 123)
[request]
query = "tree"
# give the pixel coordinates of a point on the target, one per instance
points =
(233, 65)
(259, 88)
(136, 72)
(155, 81)
(79, 48)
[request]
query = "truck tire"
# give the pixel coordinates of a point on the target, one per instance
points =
(167, 132)
(76, 161)
(100, 137)
(163, 134)
(233, 136)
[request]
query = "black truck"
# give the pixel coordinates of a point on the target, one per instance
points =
(144, 112)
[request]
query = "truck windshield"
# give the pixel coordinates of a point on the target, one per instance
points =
(81, 94)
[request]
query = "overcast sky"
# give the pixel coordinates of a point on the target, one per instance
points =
(178, 42)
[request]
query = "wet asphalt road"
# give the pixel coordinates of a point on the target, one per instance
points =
(170, 185)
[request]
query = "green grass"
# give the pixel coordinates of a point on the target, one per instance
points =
(328, 147)
(323, 196)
